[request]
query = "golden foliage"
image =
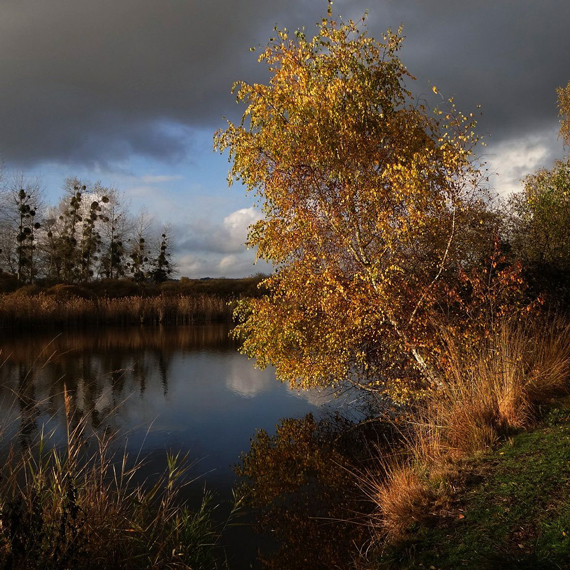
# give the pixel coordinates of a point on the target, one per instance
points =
(364, 193)
(564, 112)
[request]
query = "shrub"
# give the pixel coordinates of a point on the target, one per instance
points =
(63, 292)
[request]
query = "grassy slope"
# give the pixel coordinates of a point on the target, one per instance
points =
(511, 508)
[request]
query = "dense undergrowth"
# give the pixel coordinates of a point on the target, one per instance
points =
(497, 395)
(507, 508)
(117, 288)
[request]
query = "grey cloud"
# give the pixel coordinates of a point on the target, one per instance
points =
(95, 82)
(513, 159)
(507, 56)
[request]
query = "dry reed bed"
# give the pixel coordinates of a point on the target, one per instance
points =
(27, 347)
(489, 394)
(71, 508)
(43, 310)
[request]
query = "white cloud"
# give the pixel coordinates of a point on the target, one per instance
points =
(159, 179)
(216, 265)
(232, 235)
(223, 249)
(225, 237)
(510, 161)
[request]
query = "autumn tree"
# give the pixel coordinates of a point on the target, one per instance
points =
(541, 233)
(363, 193)
(564, 112)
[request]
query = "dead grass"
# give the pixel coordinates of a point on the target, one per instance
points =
(402, 498)
(64, 507)
(489, 394)
(18, 311)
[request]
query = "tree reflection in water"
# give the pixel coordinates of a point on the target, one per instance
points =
(301, 483)
(203, 398)
(100, 369)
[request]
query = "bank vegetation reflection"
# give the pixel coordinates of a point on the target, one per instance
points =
(101, 369)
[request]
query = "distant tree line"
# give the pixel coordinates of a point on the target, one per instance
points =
(89, 235)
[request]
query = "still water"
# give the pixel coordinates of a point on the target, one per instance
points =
(183, 389)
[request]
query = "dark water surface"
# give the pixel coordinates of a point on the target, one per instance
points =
(184, 389)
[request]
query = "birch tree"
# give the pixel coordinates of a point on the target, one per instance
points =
(363, 192)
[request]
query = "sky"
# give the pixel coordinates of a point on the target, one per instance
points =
(130, 92)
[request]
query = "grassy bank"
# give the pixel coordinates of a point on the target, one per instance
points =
(507, 508)
(474, 482)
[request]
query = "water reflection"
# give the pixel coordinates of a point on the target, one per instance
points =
(187, 384)
(301, 481)
(187, 389)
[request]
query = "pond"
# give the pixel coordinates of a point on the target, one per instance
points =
(183, 389)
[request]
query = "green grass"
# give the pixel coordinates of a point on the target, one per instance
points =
(511, 508)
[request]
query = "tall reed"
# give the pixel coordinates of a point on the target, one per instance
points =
(64, 507)
(19, 311)
(489, 394)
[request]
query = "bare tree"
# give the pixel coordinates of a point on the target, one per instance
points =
(139, 251)
(21, 208)
(115, 232)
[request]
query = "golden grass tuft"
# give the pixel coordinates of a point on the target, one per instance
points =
(487, 395)
(401, 499)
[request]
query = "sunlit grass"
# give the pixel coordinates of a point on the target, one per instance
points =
(80, 505)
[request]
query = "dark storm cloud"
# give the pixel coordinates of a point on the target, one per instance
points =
(86, 81)
(509, 56)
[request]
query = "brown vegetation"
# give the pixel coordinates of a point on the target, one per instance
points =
(488, 396)
(63, 508)
(123, 302)
(22, 311)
